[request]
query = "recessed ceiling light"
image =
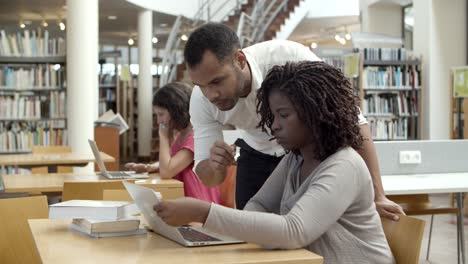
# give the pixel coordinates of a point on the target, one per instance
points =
(45, 24)
(163, 25)
(62, 26)
(112, 17)
(154, 40)
(184, 37)
(130, 41)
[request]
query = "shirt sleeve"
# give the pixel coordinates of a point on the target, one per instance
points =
(325, 201)
(268, 198)
(206, 129)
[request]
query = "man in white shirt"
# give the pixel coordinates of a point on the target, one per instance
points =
(226, 80)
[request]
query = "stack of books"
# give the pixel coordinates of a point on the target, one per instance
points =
(99, 218)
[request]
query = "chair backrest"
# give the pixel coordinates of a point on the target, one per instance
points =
(51, 149)
(404, 238)
(89, 190)
(16, 241)
(116, 195)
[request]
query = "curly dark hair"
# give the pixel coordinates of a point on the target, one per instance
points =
(175, 97)
(215, 37)
(323, 99)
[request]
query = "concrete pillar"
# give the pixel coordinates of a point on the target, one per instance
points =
(82, 83)
(145, 82)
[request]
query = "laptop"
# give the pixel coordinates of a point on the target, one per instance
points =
(116, 174)
(145, 198)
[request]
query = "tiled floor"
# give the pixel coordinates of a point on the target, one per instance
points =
(444, 237)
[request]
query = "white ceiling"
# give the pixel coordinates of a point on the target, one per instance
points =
(110, 31)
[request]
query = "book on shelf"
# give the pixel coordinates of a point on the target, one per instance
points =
(385, 54)
(138, 231)
(31, 43)
(390, 77)
(92, 209)
(107, 226)
(33, 76)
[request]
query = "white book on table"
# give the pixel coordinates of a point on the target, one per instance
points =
(107, 226)
(138, 231)
(99, 210)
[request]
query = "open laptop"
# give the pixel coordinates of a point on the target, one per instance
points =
(145, 198)
(116, 174)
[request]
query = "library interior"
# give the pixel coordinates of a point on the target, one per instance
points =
(281, 131)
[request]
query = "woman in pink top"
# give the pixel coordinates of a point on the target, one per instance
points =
(171, 106)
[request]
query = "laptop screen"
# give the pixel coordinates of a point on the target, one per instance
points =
(97, 156)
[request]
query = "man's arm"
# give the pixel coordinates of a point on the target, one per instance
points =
(384, 206)
(212, 171)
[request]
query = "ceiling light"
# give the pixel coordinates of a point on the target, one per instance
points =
(337, 37)
(44, 23)
(62, 26)
(154, 40)
(347, 36)
(112, 17)
(313, 45)
(163, 25)
(184, 37)
(22, 25)
(131, 42)
(342, 41)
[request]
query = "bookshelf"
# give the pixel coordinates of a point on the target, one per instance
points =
(109, 82)
(391, 92)
(32, 91)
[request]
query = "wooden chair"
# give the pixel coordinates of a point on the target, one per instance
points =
(116, 195)
(89, 190)
(228, 188)
(16, 243)
(419, 204)
(404, 238)
(51, 149)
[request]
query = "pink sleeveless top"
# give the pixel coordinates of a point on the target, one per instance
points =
(193, 187)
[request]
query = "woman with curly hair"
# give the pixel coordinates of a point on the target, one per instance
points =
(171, 106)
(320, 196)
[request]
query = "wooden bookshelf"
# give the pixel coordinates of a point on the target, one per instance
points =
(33, 60)
(391, 93)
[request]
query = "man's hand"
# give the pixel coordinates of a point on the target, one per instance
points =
(222, 155)
(182, 211)
(388, 209)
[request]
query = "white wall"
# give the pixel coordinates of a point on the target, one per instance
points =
(381, 18)
(444, 47)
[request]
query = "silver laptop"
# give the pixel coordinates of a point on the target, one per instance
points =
(115, 174)
(145, 198)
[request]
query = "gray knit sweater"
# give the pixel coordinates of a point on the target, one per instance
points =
(332, 213)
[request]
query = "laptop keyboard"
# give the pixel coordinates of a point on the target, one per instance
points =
(193, 235)
(119, 175)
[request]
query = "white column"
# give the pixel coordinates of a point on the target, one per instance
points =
(145, 82)
(440, 36)
(82, 83)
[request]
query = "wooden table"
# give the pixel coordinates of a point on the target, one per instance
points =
(51, 160)
(34, 183)
(56, 243)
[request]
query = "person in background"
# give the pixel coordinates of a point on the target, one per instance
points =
(226, 79)
(320, 196)
(171, 106)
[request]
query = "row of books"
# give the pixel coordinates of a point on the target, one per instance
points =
(33, 106)
(23, 140)
(385, 54)
(337, 62)
(34, 43)
(13, 170)
(399, 104)
(37, 76)
(391, 77)
(107, 95)
(389, 129)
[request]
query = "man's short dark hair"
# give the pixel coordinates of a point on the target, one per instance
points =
(215, 37)
(175, 97)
